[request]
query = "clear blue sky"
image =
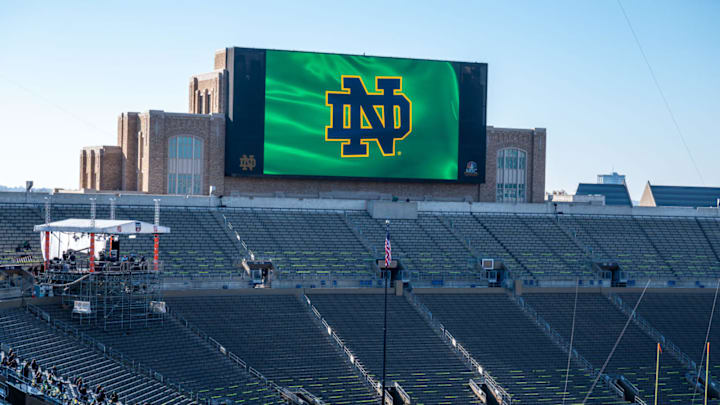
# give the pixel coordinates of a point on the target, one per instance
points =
(67, 69)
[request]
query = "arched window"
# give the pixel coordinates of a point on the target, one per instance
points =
(185, 165)
(511, 175)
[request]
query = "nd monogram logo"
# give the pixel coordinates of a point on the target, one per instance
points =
(358, 117)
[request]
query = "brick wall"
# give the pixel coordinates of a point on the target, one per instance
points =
(208, 93)
(530, 140)
(128, 142)
(157, 129)
(100, 167)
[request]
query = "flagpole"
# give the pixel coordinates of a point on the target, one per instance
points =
(657, 369)
(387, 237)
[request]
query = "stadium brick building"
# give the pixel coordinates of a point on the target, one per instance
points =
(141, 160)
(275, 288)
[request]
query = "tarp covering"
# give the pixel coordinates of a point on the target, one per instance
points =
(61, 242)
(102, 226)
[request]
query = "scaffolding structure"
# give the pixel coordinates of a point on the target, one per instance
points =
(104, 290)
(121, 298)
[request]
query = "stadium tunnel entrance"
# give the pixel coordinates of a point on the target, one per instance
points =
(612, 272)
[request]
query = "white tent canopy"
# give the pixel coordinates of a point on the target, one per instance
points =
(75, 233)
(102, 226)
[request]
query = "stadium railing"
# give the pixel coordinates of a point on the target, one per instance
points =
(666, 343)
(554, 335)
(26, 385)
(109, 352)
(376, 385)
(232, 356)
(457, 347)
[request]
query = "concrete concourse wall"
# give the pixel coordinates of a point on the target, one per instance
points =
(298, 203)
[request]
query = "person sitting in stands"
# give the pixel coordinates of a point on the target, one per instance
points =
(60, 384)
(114, 398)
(34, 365)
(83, 393)
(38, 379)
(26, 371)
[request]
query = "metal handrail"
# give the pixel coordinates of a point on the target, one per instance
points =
(351, 356)
(666, 343)
(226, 352)
(106, 351)
(453, 342)
(559, 340)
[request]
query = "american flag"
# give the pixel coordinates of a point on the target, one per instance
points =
(388, 250)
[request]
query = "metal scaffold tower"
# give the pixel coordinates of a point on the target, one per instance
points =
(121, 298)
(104, 290)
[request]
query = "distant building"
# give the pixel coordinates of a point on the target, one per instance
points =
(613, 178)
(615, 194)
(679, 196)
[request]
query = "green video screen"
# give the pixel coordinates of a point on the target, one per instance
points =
(298, 117)
(307, 114)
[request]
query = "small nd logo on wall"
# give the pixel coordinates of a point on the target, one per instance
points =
(358, 117)
(247, 162)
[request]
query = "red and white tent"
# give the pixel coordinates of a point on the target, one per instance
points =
(79, 234)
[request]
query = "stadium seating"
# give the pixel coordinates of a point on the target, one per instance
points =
(634, 357)
(425, 246)
(683, 246)
(416, 357)
(276, 335)
(683, 318)
(31, 338)
(16, 227)
(527, 364)
(317, 244)
(486, 244)
(178, 354)
(620, 239)
(303, 244)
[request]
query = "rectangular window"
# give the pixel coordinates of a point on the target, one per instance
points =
(198, 149)
(196, 184)
(172, 150)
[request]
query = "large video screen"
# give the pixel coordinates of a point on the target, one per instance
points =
(330, 115)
